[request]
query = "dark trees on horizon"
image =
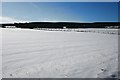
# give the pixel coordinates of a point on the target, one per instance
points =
(62, 24)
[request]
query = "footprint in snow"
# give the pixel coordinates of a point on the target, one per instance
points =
(103, 73)
(103, 70)
(11, 74)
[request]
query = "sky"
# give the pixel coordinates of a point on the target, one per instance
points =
(59, 12)
(60, 0)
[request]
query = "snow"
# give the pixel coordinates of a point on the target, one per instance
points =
(0, 54)
(28, 53)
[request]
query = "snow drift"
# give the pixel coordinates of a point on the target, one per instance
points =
(55, 54)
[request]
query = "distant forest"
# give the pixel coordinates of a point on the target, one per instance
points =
(32, 25)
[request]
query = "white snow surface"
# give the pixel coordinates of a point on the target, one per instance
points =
(0, 54)
(30, 53)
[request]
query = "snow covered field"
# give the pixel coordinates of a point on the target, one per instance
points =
(55, 54)
(93, 30)
(0, 54)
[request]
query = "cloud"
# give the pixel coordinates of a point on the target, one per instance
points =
(9, 20)
(56, 20)
(4, 19)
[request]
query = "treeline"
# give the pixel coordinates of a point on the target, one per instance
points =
(61, 25)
